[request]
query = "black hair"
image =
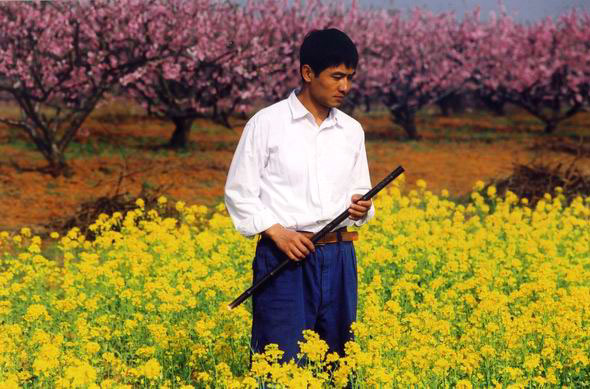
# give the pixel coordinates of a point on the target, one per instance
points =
(326, 48)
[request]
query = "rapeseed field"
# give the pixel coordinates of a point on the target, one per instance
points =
(493, 293)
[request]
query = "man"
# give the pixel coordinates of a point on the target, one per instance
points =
(298, 165)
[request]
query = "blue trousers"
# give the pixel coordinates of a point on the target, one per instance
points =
(317, 293)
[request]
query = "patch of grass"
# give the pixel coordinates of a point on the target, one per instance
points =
(186, 152)
(52, 189)
(133, 140)
(209, 183)
(13, 134)
(114, 112)
(419, 145)
(195, 147)
(488, 136)
(20, 143)
(571, 131)
(50, 250)
(163, 152)
(101, 145)
(10, 110)
(212, 129)
(460, 199)
(147, 185)
(218, 145)
(90, 149)
(376, 112)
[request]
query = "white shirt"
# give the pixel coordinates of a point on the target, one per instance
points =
(288, 170)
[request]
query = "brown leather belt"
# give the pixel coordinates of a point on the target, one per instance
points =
(340, 235)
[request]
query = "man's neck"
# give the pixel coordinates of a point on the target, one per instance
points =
(319, 112)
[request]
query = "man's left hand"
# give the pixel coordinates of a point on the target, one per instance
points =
(358, 209)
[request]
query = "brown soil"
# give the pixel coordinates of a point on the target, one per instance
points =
(118, 157)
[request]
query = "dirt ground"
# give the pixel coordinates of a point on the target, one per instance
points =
(115, 154)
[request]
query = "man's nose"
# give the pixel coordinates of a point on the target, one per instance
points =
(344, 85)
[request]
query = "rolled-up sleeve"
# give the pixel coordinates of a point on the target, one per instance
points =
(242, 188)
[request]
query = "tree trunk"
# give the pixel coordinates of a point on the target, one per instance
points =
(550, 126)
(445, 109)
(181, 133)
(407, 119)
(49, 148)
(451, 103)
(495, 106)
(45, 136)
(57, 164)
(367, 104)
(552, 119)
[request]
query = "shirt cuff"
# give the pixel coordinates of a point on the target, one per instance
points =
(263, 221)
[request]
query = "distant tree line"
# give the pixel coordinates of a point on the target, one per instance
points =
(185, 60)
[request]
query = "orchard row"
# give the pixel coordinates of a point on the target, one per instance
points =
(207, 59)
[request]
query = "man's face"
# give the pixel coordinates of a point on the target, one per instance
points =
(330, 86)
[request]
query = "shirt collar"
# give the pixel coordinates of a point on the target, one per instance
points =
(298, 110)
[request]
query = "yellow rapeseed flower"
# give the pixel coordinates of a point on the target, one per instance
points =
(151, 369)
(36, 311)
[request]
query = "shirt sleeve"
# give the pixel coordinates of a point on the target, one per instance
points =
(361, 182)
(242, 188)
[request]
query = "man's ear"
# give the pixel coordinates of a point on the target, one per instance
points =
(307, 73)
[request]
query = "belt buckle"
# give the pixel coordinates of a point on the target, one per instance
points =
(319, 244)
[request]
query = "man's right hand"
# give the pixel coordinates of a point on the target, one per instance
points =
(295, 245)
